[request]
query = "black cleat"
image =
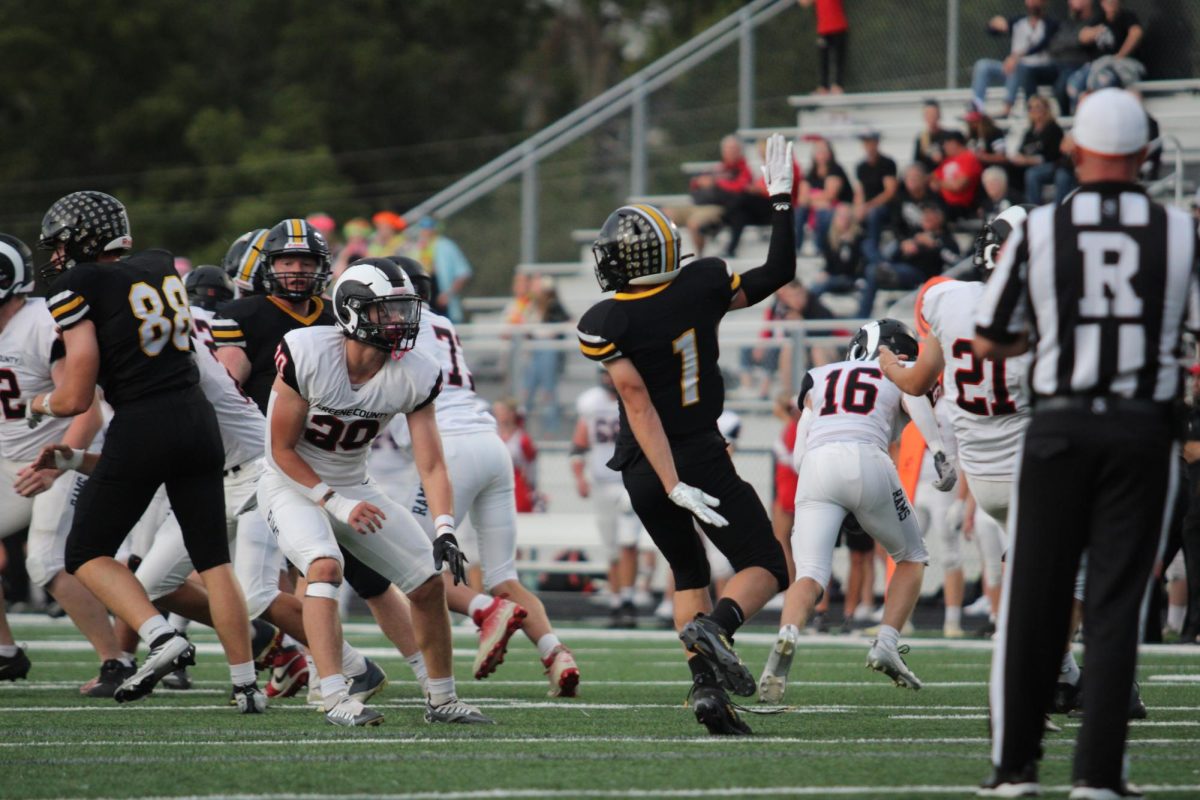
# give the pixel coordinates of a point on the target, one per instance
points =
(1005, 783)
(168, 653)
(14, 668)
(112, 674)
(715, 711)
(1065, 699)
(1137, 708)
(179, 680)
(705, 638)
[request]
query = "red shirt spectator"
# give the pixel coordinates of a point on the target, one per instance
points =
(511, 428)
(732, 175)
(786, 477)
(958, 176)
(831, 17)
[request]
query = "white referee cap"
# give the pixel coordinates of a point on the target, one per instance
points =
(1111, 122)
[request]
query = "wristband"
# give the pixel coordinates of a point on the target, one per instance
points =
(73, 461)
(46, 405)
(319, 492)
(340, 507)
(443, 521)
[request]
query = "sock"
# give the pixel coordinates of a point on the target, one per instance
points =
(888, 636)
(241, 674)
(353, 663)
(288, 641)
(179, 623)
(614, 601)
(627, 594)
(8, 650)
(333, 689)
(546, 645)
(789, 632)
(701, 672)
(417, 662)
(1175, 616)
(953, 616)
(126, 660)
(479, 603)
(728, 614)
(1068, 670)
(441, 690)
(153, 628)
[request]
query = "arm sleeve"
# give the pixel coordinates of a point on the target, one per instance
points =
(227, 332)
(1001, 313)
(806, 386)
(920, 410)
(780, 269)
(68, 308)
(285, 366)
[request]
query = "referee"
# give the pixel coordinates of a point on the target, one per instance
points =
(1099, 289)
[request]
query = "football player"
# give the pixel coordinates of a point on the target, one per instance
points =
(127, 327)
(30, 362)
(841, 456)
(208, 288)
(657, 337)
(481, 474)
(599, 419)
(284, 270)
(337, 388)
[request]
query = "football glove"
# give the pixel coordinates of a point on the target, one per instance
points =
(777, 167)
(946, 476)
(33, 418)
(700, 505)
(445, 551)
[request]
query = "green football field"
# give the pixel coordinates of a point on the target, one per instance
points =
(849, 732)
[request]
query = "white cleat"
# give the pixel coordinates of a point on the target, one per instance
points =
(350, 713)
(773, 682)
(170, 652)
(890, 662)
(456, 711)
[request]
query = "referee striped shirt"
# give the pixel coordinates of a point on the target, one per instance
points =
(1104, 285)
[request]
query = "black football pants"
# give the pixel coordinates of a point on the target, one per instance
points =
(1101, 483)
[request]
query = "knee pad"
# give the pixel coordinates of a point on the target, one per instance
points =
(322, 589)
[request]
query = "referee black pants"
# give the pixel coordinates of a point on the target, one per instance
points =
(1101, 483)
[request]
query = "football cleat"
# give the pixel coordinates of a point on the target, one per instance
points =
(289, 678)
(705, 638)
(953, 631)
(249, 699)
(350, 713)
(367, 684)
(891, 663)
(623, 617)
(456, 711)
(773, 682)
(266, 642)
(1081, 791)
(715, 711)
(1137, 707)
(112, 674)
(562, 672)
(178, 680)
(314, 694)
(1066, 697)
(168, 653)
(15, 667)
(1003, 783)
(497, 623)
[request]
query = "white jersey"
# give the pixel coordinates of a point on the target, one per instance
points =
(243, 427)
(202, 326)
(851, 402)
(28, 345)
(343, 420)
(459, 410)
(598, 409)
(987, 399)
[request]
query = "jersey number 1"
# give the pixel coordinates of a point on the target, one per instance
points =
(689, 378)
(156, 328)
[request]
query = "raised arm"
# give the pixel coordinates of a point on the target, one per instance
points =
(922, 375)
(780, 268)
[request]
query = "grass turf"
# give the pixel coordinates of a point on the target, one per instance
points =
(849, 731)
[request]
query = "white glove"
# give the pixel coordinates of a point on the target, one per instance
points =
(701, 505)
(955, 514)
(946, 476)
(340, 508)
(777, 169)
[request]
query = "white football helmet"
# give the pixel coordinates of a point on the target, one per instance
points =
(375, 303)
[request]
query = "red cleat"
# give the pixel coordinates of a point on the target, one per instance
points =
(497, 623)
(562, 672)
(289, 678)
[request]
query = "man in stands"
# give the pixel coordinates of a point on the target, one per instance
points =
(1030, 35)
(713, 192)
(926, 254)
(874, 192)
(957, 177)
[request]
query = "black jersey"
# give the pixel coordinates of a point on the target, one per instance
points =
(670, 335)
(143, 323)
(258, 324)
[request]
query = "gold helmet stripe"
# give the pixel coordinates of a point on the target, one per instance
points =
(664, 234)
(251, 254)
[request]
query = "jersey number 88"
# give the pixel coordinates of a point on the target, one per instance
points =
(156, 328)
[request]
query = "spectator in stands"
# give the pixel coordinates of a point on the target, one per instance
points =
(444, 260)
(1030, 36)
(957, 177)
(753, 206)
(824, 187)
(389, 234)
(1116, 34)
(183, 265)
(327, 228)
(987, 140)
(545, 363)
(1067, 51)
(357, 236)
(713, 193)
(1040, 152)
(928, 147)
(517, 312)
(875, 192)
(914, 193)
(844, 255)
(996, 197)
(511, 427)
(926, 254)
(833, 33)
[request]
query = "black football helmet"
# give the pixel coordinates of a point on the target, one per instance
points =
(295, 237)
(88, 225)
(241, 262)
(638, 245)
(994, 234)
(16, 267)
(208, 286)
(375, 302)
(899, 338)
(421, 280)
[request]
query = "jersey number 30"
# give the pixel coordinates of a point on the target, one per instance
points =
(157, 328)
